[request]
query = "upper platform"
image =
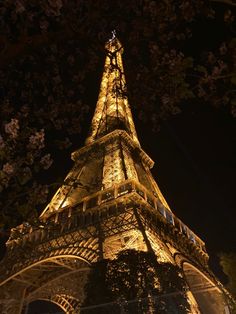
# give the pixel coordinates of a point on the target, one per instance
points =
(112, 110)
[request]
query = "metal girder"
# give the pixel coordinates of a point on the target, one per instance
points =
(63, 265)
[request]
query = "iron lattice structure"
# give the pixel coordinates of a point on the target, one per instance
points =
(109, 202)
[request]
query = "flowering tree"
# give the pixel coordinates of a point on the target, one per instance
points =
(51, 52)
(227, 261)
(135, 283)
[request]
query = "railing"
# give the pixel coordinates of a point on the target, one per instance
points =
(130, 186)
(106, 197)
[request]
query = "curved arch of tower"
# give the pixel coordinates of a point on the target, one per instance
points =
(108, 202)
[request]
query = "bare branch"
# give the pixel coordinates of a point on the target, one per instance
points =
(229, 2)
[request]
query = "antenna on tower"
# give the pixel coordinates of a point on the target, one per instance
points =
(113, 33)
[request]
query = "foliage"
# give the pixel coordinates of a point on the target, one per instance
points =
(51, 53)
(136, 282)
(228, 262)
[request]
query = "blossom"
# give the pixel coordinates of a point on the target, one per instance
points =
(36, 141)
(55, 4)
(12, 128)
(19, 7)
(165, 99)
(39, 194)
(46, 161)
(54, 7)
(2, 144)
(8, 168)
(223, 49)
(57, 79)
(43, 25)
(71, 60)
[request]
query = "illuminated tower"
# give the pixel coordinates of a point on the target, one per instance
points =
(109, 202)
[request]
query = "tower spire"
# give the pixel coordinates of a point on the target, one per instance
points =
(112, 110)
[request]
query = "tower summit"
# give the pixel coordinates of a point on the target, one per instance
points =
(108, 202)
(112, 109)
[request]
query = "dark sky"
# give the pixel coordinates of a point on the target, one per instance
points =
(195, 158)
(194, 155)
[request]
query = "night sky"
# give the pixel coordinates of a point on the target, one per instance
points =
(195, 159)
(194, 156)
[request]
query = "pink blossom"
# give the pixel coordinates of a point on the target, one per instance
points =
(8, 168)
(2, 144)
(216, 71)
(71, 60)
(223, 49)
(165, 99)
(46, 161)
(36, 141)
(57, 79)
(12, 128)
(201, 92)
(44, 25)
(54, 7)
(39, 194)
(211, 58)
(19, 7)
(55, 3)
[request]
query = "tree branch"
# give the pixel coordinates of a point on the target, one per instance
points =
(12, 50)
(229, 2)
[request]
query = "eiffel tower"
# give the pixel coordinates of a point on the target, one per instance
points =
(108, 202)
